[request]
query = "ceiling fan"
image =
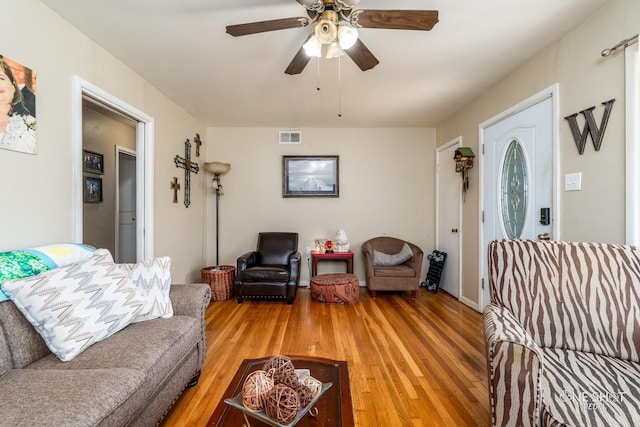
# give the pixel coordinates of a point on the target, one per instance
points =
(336, 24)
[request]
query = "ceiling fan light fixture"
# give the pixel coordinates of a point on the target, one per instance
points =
(327, 27)
(334, 51)
(347, 36)
(313, 47)
(326, 31)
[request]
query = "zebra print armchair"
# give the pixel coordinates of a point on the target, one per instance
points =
(563, 334)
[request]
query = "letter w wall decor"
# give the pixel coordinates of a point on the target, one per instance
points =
(590, 126)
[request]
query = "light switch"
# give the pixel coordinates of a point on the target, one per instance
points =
(573, 181)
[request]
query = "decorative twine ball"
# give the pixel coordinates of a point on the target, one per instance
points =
(278, 368)
(255, 390)
(290, 380)
(304, 395)
(313, 384)
(282, 404)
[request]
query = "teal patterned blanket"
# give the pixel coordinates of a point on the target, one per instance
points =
(32, 261)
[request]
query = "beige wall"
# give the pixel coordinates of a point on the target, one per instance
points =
(36, 202)
(386, 188)
(586, 79)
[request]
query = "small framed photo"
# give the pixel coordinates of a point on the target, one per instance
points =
(92, 162)
(310, 176)
(92, 189)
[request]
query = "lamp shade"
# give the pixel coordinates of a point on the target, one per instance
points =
(217, 168)
(312, 47)
(347, 36)
(334, 51)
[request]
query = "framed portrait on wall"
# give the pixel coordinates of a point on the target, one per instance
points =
(18, 109)
(92, 189)
(310, 176)
(92, 162)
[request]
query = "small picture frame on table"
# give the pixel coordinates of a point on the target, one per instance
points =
(92, 162)
(92, 189)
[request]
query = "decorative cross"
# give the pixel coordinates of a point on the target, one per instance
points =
(198, 143)
(175, 187)
(188, 166)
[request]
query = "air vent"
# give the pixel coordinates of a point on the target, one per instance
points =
(290, 137)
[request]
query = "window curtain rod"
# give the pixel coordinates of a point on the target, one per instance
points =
(623, 43)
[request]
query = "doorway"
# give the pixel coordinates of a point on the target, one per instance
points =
(144, 163)
(448, 215)
(519, 169)
(125, 218)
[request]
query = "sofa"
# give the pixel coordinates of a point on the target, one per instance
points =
(562, 333)
(130, 378)
(392, 264)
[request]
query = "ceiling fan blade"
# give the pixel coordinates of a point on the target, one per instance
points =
(299, 61)
(264, 26)
(362, 56)
(395, 19)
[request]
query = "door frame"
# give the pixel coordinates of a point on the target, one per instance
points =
(632, 139)
(144, 163)
(456, 142)
(120, 149)
(552, 92)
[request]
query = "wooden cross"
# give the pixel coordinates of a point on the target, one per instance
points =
(198, 143)
(175, 187)
(188, 166)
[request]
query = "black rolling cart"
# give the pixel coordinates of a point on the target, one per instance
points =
(436, 266)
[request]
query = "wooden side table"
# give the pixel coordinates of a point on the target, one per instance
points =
(336, 256)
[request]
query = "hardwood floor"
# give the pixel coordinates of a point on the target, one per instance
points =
(410, 364)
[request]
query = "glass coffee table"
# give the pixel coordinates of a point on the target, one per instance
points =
(333, 408)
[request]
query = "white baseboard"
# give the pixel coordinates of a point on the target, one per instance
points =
(472, 304)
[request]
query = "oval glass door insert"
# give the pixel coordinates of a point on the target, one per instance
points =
(514, 190)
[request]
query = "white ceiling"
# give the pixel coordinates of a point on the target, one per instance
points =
(181, 47)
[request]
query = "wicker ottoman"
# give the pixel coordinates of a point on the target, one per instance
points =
(336, 288)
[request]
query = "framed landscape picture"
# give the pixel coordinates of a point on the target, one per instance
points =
(310, 176)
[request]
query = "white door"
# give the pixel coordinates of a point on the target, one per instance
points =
(518, 178)
(448, 224)
(126, 206)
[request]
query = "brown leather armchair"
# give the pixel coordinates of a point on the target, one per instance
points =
(388, 269)
(272, 270)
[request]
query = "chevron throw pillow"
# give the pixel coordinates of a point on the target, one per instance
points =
(75, 306)
(153, 280)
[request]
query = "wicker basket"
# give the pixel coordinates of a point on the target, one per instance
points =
(220, 278)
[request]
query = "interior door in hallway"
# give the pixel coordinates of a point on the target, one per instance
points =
(125, 237)
(448, 214)
(518, 178)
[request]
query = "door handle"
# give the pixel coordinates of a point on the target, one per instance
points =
(454, 230)
(544, 236)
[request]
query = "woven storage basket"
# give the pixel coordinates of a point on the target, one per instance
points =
(220, 279)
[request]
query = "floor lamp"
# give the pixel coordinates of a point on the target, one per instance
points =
(217, 169)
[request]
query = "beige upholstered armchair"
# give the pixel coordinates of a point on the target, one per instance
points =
(392, 265)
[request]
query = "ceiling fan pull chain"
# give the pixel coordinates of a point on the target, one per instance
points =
(339, 87)
(318, 84)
